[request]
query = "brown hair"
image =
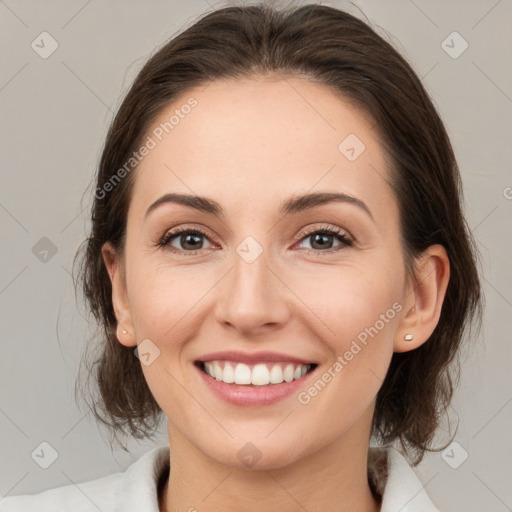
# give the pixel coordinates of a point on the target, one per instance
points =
(338, 50)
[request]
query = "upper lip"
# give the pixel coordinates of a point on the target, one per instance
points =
(252, 357)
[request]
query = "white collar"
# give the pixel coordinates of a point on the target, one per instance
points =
(136, 489)
(396, 482)
(394, 479)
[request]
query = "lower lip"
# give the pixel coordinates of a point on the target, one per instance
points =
(245, 395)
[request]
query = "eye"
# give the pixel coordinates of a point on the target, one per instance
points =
(187, 239)
(321, 239)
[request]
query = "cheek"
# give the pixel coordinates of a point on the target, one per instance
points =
(345, 301)
(359, 318)
(162, 299)
(164, 308)
(357, 314)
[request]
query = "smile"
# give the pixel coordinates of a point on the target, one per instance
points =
(259, 374)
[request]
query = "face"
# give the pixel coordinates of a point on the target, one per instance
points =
(319, 282)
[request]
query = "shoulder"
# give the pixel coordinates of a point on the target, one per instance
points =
(133, 489)
(396, 482)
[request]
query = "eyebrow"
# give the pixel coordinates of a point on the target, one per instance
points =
(294, 204)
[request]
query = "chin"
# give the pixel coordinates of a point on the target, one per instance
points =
(257, 455)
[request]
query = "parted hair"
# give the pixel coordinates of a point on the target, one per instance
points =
(338, 50)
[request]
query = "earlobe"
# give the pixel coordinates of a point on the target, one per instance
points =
(113, 264)
(125, 337)
(424, 299)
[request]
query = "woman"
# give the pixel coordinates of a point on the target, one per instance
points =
(280, 262)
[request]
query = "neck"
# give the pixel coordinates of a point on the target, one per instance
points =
(333, 478)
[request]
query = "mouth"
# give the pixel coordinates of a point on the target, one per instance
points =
(255, 375)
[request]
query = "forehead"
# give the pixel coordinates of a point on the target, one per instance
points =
(252, 142)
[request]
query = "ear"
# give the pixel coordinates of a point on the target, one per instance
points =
(425, 293)
(115, 270)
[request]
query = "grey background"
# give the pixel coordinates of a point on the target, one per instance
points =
(55, 113)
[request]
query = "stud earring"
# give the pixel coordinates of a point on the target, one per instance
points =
(124, 332)
(408, 337)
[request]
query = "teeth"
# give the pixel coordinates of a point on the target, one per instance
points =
(242, 374)
(261, 374)
(276, 375)
(217, 371)
(229, 374)
(288, 373)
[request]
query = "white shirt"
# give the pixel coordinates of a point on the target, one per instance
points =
(136, 489)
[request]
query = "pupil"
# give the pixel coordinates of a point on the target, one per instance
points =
(322, 245)
(187, 237)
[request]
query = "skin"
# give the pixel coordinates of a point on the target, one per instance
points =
(249, 145)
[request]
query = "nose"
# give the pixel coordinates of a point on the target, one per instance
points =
(253, 297)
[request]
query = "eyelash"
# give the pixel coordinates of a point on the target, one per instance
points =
(338, 233)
